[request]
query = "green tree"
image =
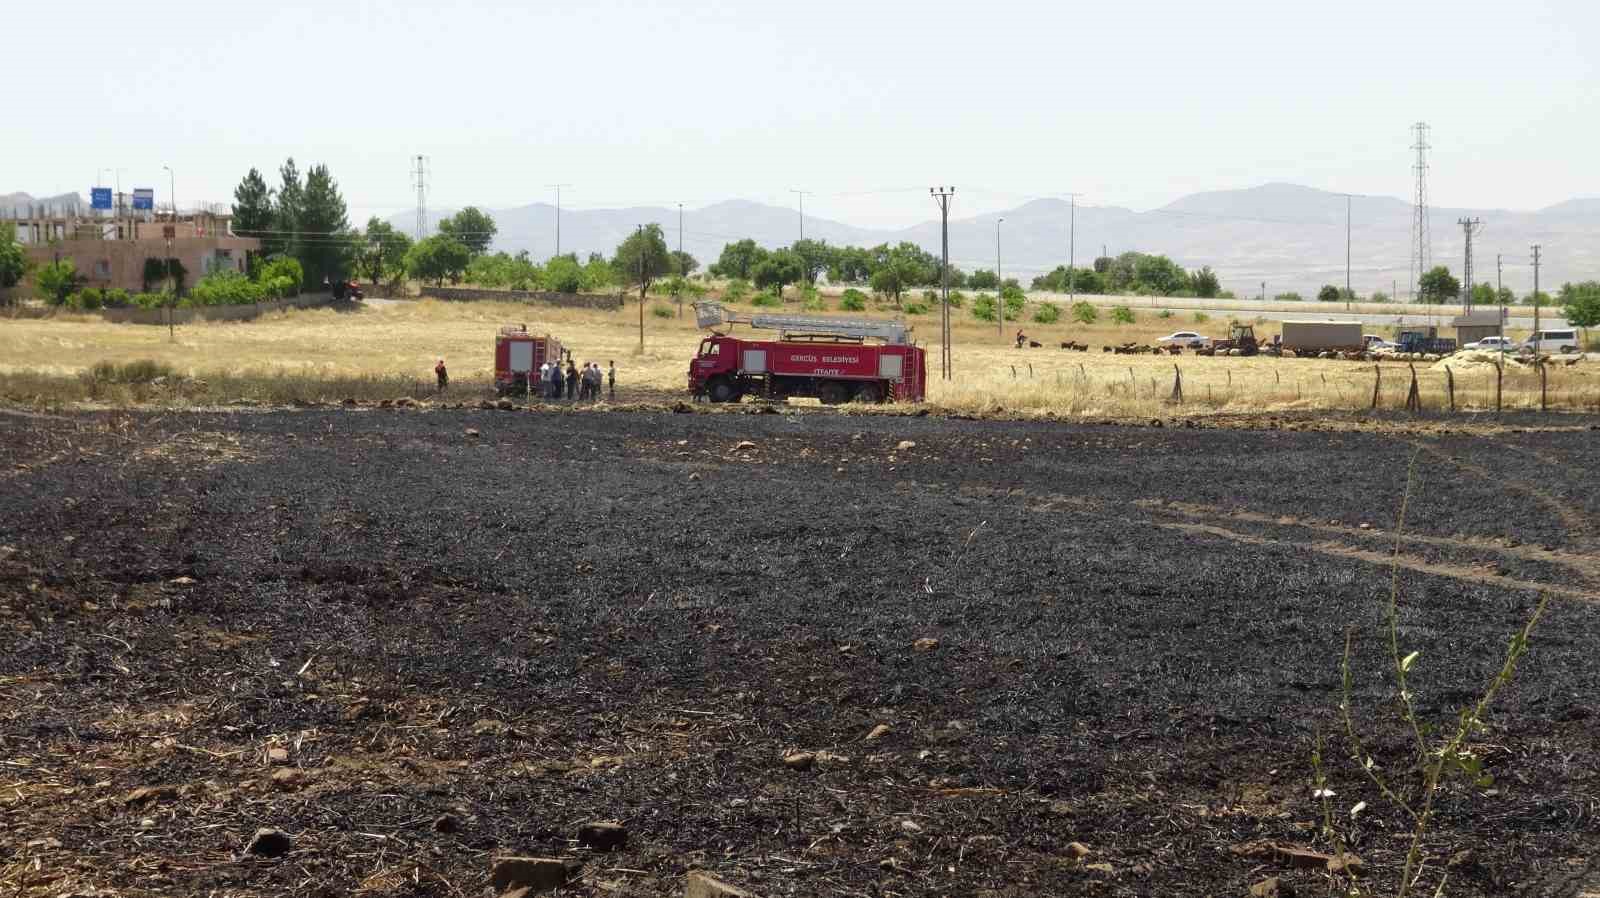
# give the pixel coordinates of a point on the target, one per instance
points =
(325, 237)
(382, 251)
(1102, 264)
(983, 279)
(816, 256)
(1484, 295)
(286, 213)
(778, 270)
(642, 258)
(853, 265)
(13, 261)
(1378, 296)
(1085, 313)
(1580, 303)
(1205, 283)
(1328, 293)
(472, 228)
(437, 258)
(1046, 313)
(563, 274)
(683, 264)
(738, 260)
(57, 280)
(252, 210)
(984, 307)
(284, 269)
(1438, 285)
(853, 300)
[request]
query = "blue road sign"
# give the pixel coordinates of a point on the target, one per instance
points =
(100, 197)
(144, 198)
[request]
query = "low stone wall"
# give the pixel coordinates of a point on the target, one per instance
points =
(213, 313)
(542, 297)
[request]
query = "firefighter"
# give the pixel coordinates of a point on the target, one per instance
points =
(442, 375)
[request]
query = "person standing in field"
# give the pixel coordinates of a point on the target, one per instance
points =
(593, 377)
(572, 379)
(556, 384)
(611, 376)
(442, 375)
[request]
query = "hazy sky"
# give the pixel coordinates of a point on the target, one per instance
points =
(865, 104)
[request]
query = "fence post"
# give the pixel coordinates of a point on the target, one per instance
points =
(1499, 375)
(1544, 398)
(1413, 397)
(1177, 386)
(1030, 371)
(1450, 386)
(1013, 372)
(1377, 380)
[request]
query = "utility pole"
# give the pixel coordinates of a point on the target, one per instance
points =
(558, 214)
(641, 288)
(1499, 275)
(1072, 247)
(1263, 291)
(1468, 226)
(681, 274)
(1000, 282)
(1421, 241)
(1536, 260)
(802, 195)
(942, 196)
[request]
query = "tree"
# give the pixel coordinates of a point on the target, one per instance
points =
(1437, 285)
(382, 251)
(325, 237)
(1328, 293)
(563, 274)
(642, 258)
(13, 261)
(437, 258)
(816, 256)
(286, 213)
(853, 265)
(57, 280)
(983, 279)
(472, 228)
(683, 264)
(1102, 264)
(778, 270)
(1484, 295)
(252, 209)
(738, 260)
(1205, 283)
(1580, 302)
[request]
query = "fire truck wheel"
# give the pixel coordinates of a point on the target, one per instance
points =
(833, 393)
(721, 391)
(870, 393)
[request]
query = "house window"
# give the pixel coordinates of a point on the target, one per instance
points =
(102, 269)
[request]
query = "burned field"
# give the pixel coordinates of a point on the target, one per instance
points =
(811, 654)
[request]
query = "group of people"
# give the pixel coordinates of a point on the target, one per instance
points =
(572, 383)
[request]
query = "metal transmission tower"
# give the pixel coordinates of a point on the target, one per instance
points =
(419, 180)
(558, 214)
(1536, 260)
(802, 195)
(942, 196)
(1469, 226)
(1421, 242)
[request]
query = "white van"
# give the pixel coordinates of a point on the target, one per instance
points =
(1563, 340)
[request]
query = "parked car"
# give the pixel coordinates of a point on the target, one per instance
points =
(1494, 344)
(1188, 339)
(1563, 340)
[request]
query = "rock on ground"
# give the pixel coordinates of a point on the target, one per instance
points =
(536, 873)
(703, 885)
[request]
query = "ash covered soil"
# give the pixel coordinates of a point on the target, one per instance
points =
(411, 650)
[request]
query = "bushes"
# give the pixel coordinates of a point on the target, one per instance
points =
(661, 311)
(1122, 315)
(140, 371)
(88, 299)
(226, 288)
(1085, 313)
(285, 273)
(853, 300)
(158, 271)
(1164, 314)
(813, 301)
(766, 299)
(736, 290)
(1015, 303)
(1046, 313)
(1201, 318)
(916, 308)
(1292, 297)
(57, 280)
(957, 299)
(984, 307)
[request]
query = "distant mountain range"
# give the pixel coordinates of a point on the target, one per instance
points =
(1292, 237)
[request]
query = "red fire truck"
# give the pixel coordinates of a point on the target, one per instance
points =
(518, 353)
(817, 356)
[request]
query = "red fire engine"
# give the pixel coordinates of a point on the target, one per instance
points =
(518, 353)
(827, 358)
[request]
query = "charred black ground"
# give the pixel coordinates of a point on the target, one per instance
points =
(411, 648)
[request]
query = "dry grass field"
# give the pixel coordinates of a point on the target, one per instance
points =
(389, 348)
